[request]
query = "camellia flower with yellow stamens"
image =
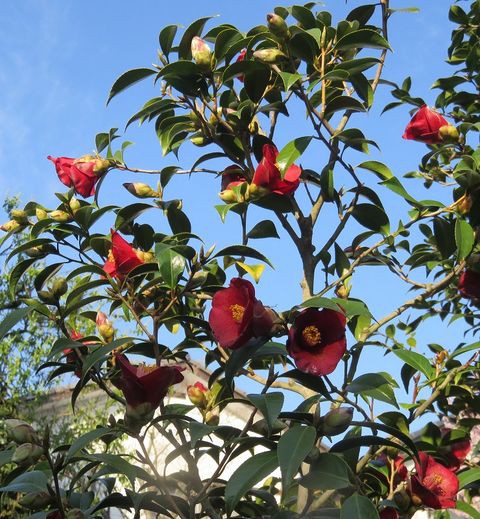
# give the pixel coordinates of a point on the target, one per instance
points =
(237, 316)
(122, 257)
(316, 341)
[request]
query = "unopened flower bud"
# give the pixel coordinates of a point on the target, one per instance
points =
(270, 56)
(40, 213)
(140, 190)
(74, 204)
(136, 417)
(60, 216)
(105, 327)
(342, 291)
(212, 417)
(276, 24)
(27, 454)
(101, 165)
(35, 500)
(336, 421)
(448, 133)
(199, 140)
(20, 431)
(11, 226)
(464, 204)
(201, 53)
(60, 287)
(255, 192)
(19, 216)
(46, 296)
(229, 196)
(75, 513)
(197, 394)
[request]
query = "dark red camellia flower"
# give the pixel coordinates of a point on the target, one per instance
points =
(241, 57)
(144, 384)
(455, 451)
(389, 513)
(82, 174)
(267, 174)
(434, 484)
(425, 125)
(232, 176)
(469, 284)
(122, 257)
(237, 316)
(316, 341)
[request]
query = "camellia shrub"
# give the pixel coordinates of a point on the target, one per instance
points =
(352, 441)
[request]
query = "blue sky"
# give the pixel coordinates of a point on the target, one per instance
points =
(60, 57)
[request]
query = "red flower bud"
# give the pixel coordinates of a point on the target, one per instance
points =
(316, 341)
(241, 57)
(198, 394)
(267, 174)
(425, 126)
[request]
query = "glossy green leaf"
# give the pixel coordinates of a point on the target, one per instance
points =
(166, 37)
(291, 152)
(87, 438)
(468, 509)
(363, 38)
(466, 477)
(289, 79)
(33, 481)
(269, 404)
(329, 472)
(293, 448)
(194, 29)
(263, 229)
(11, 319)
(464, 238)
(256, 468)
(374, 385)
(341, 103)
(170, 263)
(417, 361)
(358, 507)
(129, 78)
(372, 217)
(242, 250)
(380, 169)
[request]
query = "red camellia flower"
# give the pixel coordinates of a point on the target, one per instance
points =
(267, 174)
(399, 467)
(469, 284)
(232, 176)
(389, 513)
(71, 356)
(434, 484)
(122, 257)
(455, 451)
(241, 57)
(237, 316)
(425, 125)
(145, 384)
(82, 174)
(316, 341)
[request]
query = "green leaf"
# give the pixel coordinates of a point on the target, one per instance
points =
(293, 447)
(225, 40)
(341, 103)
(464, 238)
(312, 382)
(12, 319)
(242, 250)
(129, 78)
(87, 438)
(195, 29)
(291, 152)
(34, 481)
(468, 509)
(364, 39)
(256, 82)
(382, 171)
(396, 186)
(118, 465)
(255, 271)
(329, 472)
(466, 477)
(166, 37)
(269, 404)
(256, 468)
(375, 385)
(289, 79)
(417, 361)
(372, 217)
(358, 507)
(263, 229)
(170, 263)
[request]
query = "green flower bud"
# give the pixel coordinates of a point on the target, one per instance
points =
(20, 431)
(60, 287)
(36, 500)
(11, 226)
(201, 53)
(74, 205)
(27, 454)
(269, 55)
(199, 140)
(448, 133)
(40, 213)
(140, 190)
(276, 24)
(336, 421)
(60, 216)
(19, 216)
(46, 296)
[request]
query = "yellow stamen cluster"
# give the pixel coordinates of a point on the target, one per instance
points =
(237, 312)
(311, 335)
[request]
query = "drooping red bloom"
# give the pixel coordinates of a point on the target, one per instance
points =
(144, 384)
(389, 513)
(122, 257)
(316, 341)
(237, 316)
(434, 484)
(267, 174)
(241, 57)
(82, 174)
(469, 284)
(455, 451)
(425, 125)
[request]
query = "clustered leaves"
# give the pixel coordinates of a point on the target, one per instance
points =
(232, 91)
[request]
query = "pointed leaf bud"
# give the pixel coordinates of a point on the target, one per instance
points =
(60, 216)
(336, 421)
(140, 190)
(276, 24)
(27, 454)
(20, 431)
(269, 55)
(201, 53)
